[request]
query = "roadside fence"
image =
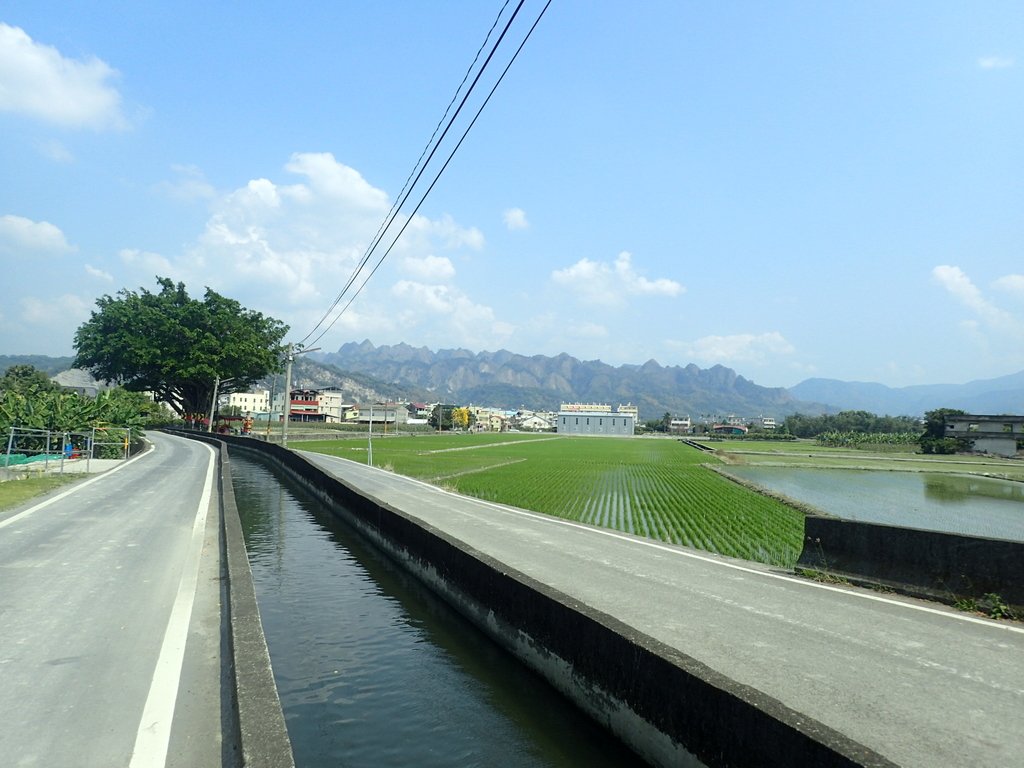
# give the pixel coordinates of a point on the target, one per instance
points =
(30, 450)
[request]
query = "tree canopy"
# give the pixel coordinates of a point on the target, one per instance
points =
(27, 380)
(461, 417)
(177, 347)
(934, 439)
(441, 416)
(801, 425)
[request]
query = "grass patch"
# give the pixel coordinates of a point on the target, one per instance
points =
(989, 604)
(822, 577)
(654, 488)
(15, 492)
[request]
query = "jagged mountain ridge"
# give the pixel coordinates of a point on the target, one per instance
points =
(355, 386)
(510, 380)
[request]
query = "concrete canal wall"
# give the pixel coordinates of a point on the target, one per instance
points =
(671, 709)
(254, 722)
(941, 566)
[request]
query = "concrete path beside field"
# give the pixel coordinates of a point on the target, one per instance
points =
(920, 684)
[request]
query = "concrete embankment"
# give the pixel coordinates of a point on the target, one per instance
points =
(670, 708)
(255, 722)
(941, 566)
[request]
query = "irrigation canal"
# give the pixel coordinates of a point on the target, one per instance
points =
(373, 670)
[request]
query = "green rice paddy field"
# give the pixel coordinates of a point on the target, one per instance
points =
(656, 488)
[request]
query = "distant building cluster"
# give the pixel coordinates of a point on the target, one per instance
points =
(329, 405)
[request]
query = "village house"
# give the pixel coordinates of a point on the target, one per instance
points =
(998, 435)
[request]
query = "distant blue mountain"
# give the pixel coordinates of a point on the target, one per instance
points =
(1003, 395)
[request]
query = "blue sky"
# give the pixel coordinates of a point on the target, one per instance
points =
(789, 189)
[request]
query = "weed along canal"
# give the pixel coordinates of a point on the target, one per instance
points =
(373, 669)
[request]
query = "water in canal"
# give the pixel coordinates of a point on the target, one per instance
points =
(373, 670)
(965, 504)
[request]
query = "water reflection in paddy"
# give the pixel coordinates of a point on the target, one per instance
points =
(976, 506)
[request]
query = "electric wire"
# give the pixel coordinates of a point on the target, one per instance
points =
(437, 177)
(400, 202)
(420, 164)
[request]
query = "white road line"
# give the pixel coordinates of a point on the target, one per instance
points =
(549, 519)
(154, 732)
(73, 489)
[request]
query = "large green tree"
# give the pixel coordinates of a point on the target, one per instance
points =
(176, 346)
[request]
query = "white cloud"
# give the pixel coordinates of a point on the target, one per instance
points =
(995, 62)
(148, 263)
(286, 246)
(189, 184)
(438, 299)
(1012, 284)
(753, 348)
(332, 180)
(300, 240)
(429, 268)
(515, 218)
(960, 286)
(609, 284)
(443, 230)
(64, 311)
(466, 322)
(36, 80)
(21, 236)
(98, 273)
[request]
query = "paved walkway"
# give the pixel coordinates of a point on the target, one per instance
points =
(921, 684)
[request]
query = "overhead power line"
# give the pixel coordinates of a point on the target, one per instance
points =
(419, 169)
(420, 163)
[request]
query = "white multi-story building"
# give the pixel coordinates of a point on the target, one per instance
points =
(487, 419)
(255, 403)
(331, 405)
(680, 425)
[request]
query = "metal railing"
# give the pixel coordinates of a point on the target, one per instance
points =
(44, 450)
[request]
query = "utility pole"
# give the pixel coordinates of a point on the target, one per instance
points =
(369, 440)
(270, 405)
(290, 354)
(287, 396)
(213, 403)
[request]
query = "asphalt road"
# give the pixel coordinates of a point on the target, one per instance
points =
(110, 618)
(921, 684)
